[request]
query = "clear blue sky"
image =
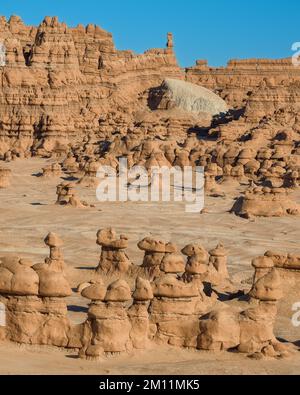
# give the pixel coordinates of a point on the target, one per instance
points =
(217, 30)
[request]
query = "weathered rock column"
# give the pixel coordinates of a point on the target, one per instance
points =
(138, 314)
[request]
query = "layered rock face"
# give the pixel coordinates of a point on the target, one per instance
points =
(67, 196)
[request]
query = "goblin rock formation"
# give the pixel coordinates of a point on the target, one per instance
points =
(53, 170)
(67, 196)
(159, 255)
(48, 64)
(267, 202)
(34, 299)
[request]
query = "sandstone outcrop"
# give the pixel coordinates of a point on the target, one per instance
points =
(173, 309)
(69, 96)
(144, 107)
(139, 315)
(267, 202)
(107, 329)
(206, 267)
(197, 266)
(55, 261)
(188, 97)
(284, 261)
(63, 104)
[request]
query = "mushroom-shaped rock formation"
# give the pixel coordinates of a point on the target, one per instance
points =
(143, 291)
(5, 175)
(279, 259)
(113, 257)
(34, 301)
(53, 170)
(156, 251)
(55, 261)
(220, 330)
(53, 284)
(17, 278)
(250, 330)
(175, 311)
(267, 202)
(108, 327)
(284, 261)
(67, 196)
(168, 286)
(173, 263)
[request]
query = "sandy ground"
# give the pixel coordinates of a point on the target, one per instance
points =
(28, 213)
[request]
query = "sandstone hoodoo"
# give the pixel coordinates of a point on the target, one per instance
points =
(249, 330)
(172, 309)
(113, 257)
(5, 175)
(53, 170)
(67, 196)
(188, 97)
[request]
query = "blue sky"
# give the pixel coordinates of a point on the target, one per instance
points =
(217, 30)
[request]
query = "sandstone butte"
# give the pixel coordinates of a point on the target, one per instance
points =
(70, 97)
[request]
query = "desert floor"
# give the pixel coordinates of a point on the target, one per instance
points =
(28, 213)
